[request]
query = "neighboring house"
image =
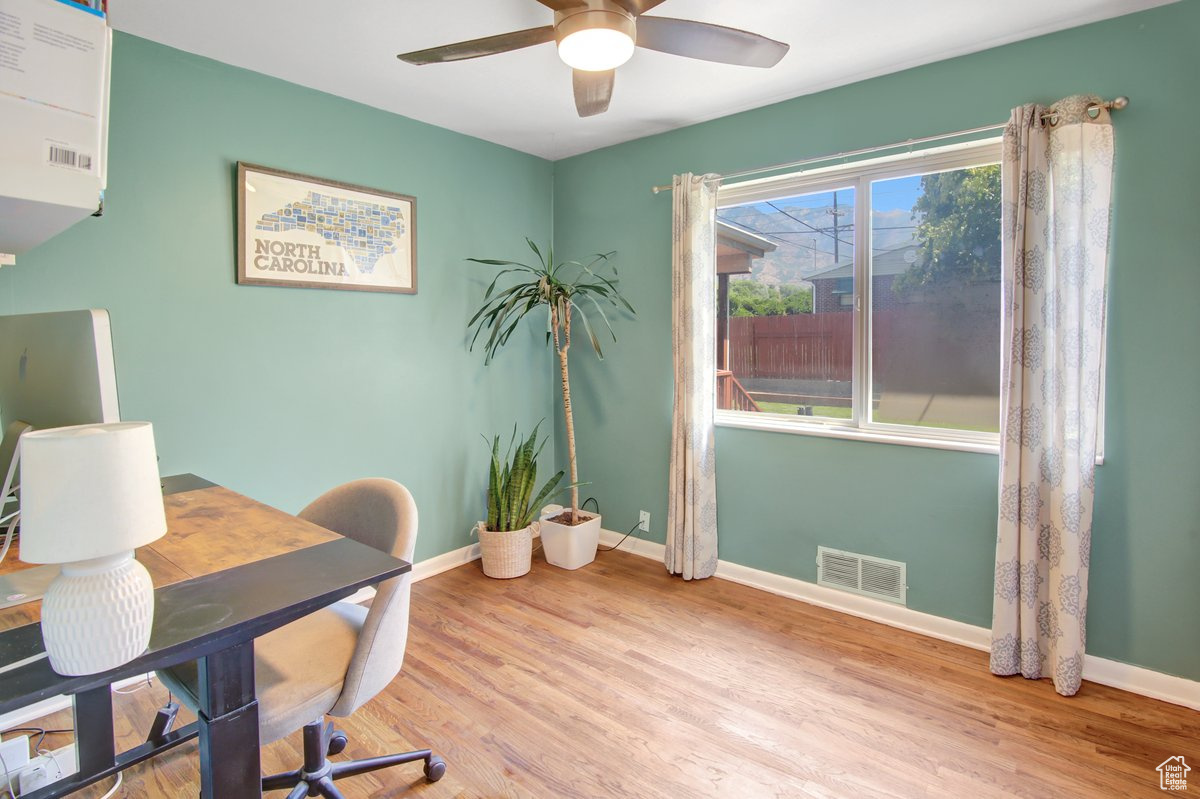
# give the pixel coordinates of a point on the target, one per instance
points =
(736, 249)
(833, 287)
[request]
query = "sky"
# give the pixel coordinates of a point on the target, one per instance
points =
(897, 193)
(804, 223)
(801, 227)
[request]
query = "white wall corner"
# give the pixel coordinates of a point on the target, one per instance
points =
(445, 562)
(1135, 679)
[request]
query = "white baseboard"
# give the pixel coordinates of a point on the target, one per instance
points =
(445, 562)
(427, 568)
(1135, 679)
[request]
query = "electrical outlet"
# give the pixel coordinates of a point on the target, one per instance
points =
(14, 755)
(49, 768)
(644, 521)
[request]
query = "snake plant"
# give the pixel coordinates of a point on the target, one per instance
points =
(566, 289)
(511, 481)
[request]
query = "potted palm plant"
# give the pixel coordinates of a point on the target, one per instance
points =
(506, 538)
(567, 290)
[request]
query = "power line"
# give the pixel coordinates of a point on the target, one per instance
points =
(810, 227)
(777, 238)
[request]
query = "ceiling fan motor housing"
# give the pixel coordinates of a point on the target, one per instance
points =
(595, 14)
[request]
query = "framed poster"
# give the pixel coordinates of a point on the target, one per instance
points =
(296, 230)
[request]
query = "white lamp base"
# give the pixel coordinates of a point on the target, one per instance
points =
(97, 614)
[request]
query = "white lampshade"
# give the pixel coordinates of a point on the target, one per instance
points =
(89, 491)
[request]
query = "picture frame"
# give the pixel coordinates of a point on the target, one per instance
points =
(302, 231)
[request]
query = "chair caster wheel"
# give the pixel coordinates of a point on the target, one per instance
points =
(435, 768)
(337, 742)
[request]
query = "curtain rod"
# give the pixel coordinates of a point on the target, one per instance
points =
(1115, 104)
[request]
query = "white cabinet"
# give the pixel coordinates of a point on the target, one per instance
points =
(55, 59)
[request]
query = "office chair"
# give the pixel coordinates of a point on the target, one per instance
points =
(335, 660)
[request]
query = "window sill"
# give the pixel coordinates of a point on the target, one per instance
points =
(782, 424)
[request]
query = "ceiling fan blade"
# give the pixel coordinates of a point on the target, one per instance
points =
(708, 42)
(593, 90)
(636, 7)
(563, 5)
(488, 45)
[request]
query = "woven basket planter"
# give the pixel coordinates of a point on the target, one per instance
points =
(505, 554)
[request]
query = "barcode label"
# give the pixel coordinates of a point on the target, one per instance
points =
(58, 154)
(62, 156)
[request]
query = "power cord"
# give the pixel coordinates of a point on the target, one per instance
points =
(113, 790)
(9, 494)
(596, 503)
(141, 686)
(8, 786)
(41, 733)
(622, 541)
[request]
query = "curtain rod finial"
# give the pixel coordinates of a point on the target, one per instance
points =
(1120, 102)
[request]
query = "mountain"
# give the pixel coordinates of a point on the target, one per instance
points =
(805, 235)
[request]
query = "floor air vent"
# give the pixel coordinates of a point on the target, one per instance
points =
(862, 574)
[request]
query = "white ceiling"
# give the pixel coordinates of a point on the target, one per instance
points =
(523, 99)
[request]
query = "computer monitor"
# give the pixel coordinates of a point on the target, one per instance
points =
(57, 369)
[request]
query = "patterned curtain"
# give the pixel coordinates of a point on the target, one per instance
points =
(1057, 184)
(692, 504)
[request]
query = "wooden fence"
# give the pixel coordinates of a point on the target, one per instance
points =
(801, 346)
(924, 348)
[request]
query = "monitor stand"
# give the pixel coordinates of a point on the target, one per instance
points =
(26, 585)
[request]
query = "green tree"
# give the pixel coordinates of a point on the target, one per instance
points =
(751, 298)
(958, 228)
(797, 300)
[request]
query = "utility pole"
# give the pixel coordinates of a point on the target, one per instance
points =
(836, 259)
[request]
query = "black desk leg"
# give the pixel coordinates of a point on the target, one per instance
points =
(229, 764)
(94, 730)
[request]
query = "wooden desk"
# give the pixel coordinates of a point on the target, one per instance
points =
(209, 528)
(229, 570)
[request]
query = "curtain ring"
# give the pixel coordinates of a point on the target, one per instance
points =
(1093, 110)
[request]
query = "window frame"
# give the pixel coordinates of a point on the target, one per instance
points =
(859, 175)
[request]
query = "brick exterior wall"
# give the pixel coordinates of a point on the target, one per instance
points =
(826, 301)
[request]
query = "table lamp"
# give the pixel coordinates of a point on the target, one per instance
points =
(90, 495)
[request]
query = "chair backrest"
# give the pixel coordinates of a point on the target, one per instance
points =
(381, 514)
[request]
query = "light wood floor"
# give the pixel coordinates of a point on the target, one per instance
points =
(619, 681)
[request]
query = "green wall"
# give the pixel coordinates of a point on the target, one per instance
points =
(782, 495)
(281, 393)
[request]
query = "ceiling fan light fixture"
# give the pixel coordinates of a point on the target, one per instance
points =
(594, 41)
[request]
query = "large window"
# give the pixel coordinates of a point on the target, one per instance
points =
(864, 300)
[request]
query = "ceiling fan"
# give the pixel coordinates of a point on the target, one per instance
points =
(595, 37)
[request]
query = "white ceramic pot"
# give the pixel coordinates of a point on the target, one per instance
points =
(567, 546)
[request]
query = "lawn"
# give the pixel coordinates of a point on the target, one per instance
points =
(828, 411)
(835, 412)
